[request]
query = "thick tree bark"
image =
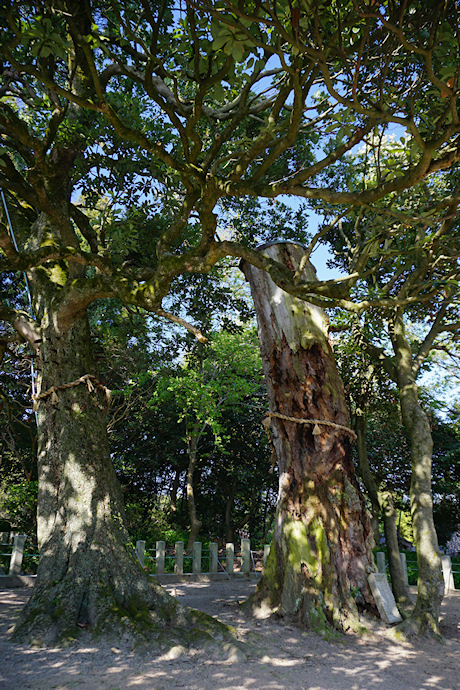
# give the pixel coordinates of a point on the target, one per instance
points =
(88, 576)
(382, 501)
(320, 557)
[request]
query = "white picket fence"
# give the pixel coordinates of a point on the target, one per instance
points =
(227, 562)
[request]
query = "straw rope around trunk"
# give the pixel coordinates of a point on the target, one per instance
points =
(316, 430)
(91, 383)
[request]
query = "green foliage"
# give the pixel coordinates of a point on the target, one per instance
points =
(18, 505)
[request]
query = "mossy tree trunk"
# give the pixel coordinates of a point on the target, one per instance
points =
(430, 582)
(320, 557)
(88, 575)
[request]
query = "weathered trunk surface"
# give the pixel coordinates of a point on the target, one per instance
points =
(320, 557)
(88, 576)
(382, 502)
(430, 582)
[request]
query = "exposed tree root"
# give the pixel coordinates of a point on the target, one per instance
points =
(64, 612)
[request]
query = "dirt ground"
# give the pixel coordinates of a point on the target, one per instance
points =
(275, 655)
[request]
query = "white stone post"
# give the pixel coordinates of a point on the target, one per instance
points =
(449, 584)
(403, 558)
(246, 556)
(160, 553)
(179, 560)
(230, 558)
(266, 552)
(196, 567)
(140, 552)
(380, 556)
(17, 554)
(213, 557)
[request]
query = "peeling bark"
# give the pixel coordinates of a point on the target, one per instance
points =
(320, 556)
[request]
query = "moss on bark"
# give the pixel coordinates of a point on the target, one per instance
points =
(320, 556)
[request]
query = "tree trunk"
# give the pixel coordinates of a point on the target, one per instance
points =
(320, 556)
(430, 582)
(88, 576)
(195, 524)
(229, 526)
(382, 501)
(175, 489)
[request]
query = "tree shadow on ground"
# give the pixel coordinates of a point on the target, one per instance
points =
(278, 655)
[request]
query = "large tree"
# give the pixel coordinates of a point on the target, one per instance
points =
(169, 112)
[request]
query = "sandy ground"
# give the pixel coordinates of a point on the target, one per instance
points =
(276, 655)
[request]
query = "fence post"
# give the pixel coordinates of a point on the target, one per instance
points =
(266, 552)
(246, 556)
(213, 557)
(230, 558)
(140, 552)
(160, 558)
(196, 567)
(403, 558)
(17, 554)
(380, 556)
(179, 560)
(449, 583)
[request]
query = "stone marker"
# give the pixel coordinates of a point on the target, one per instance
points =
(403, 558)
(179, 560)
(449, 584)
(196, 563)
(160, 554)
(384, 598)
(213, 556)
(381, 564)
(230, 558)
(245, 555)
(17, 554)
(140, 552)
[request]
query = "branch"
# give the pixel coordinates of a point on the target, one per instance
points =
(176, 319)
(22, 323)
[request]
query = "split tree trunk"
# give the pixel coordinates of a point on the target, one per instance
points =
(320, 557)
(88, 576)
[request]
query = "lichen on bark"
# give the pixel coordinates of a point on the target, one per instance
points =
(320, 556)
(88, 579)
